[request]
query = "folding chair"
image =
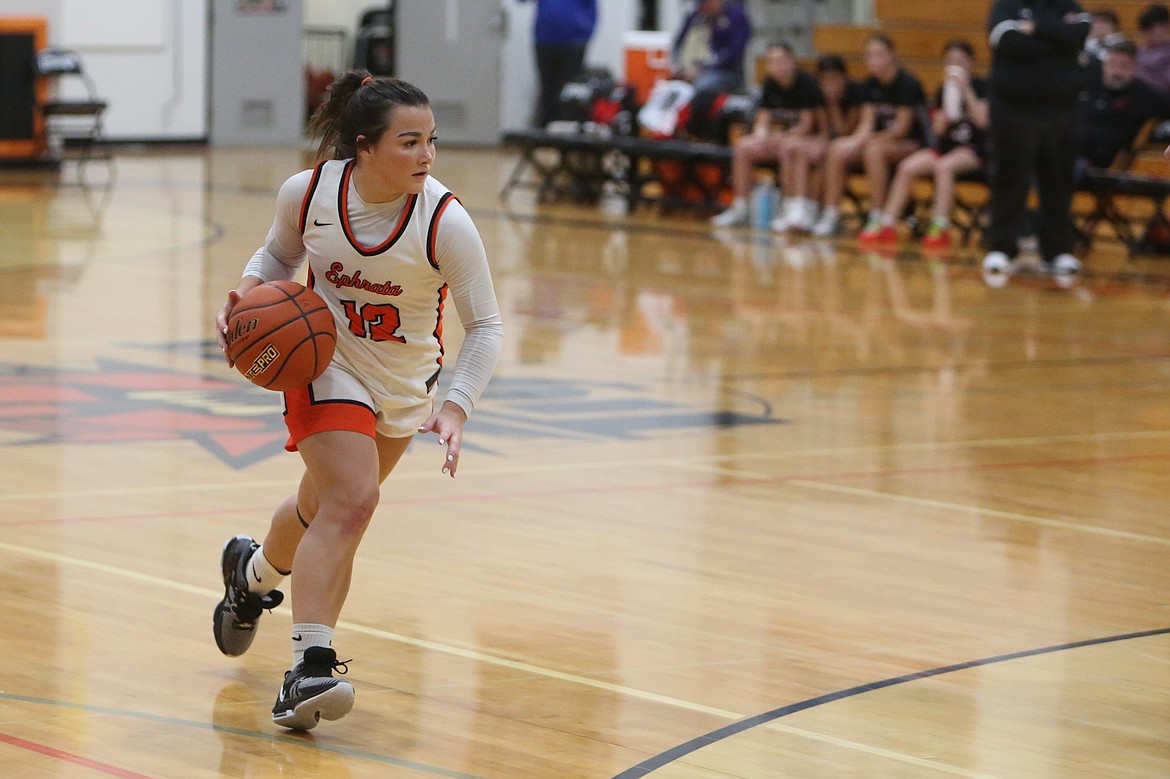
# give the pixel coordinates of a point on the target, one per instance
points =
(70, 122)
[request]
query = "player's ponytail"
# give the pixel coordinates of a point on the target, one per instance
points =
(359, 104)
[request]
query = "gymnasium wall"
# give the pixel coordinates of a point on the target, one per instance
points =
(147, 57)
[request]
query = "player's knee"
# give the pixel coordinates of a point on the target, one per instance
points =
(351, 512)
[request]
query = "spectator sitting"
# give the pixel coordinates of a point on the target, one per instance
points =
(1153, 58)
(1114, 108)
(887, 132)
(709, 48)
(957, 145)
(785, 110)
(1104, 31)
(802, 156)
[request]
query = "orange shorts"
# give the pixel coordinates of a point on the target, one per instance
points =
(339, 401)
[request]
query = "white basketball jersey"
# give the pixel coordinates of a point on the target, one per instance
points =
(387, 299)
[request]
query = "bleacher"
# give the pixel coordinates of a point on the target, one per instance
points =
(1121, 199)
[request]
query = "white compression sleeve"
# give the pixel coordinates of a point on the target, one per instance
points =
(266, 267)
(283, 251)
(463, 261)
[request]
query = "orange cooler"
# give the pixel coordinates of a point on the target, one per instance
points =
(647, 59)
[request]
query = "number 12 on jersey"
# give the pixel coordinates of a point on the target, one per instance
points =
(376, 321)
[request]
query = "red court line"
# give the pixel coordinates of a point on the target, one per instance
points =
(263, 511)
(69, 757)
(823, 476)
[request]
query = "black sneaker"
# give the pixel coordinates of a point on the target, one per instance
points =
(310, 692)
(235, 618)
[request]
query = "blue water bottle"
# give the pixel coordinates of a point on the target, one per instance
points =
(764, 205)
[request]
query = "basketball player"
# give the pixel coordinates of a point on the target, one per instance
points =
(785, 110)
(956, 145)
(802, 158)
(386, 244)
(887, 132)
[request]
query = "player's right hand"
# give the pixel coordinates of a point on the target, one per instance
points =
(221, 322)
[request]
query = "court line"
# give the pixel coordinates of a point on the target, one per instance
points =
(279, 738)
(879, 370)
(435, 646)
(69, 757)
(468, 654)
(997, 513)
(811, 481)
(550, 467)
(537, 670)
(675, 753)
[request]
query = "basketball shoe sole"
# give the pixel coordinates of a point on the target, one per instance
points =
(237, 615)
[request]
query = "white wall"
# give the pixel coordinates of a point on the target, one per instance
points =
(148, 58)
(339, 13)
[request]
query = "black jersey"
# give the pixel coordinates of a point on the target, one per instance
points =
(963, 131)
(903, 91)
(784, 104)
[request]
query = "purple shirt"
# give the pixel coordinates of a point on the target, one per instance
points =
(1153, 66)
(730, 31)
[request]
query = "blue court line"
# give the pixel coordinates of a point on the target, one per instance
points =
(695, 744)
(273, 737)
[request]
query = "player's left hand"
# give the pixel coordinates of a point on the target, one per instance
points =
(447, 423)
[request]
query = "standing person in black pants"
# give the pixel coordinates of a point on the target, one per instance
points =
(561, 33)
(1035, 84)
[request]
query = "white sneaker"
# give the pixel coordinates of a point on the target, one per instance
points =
(735, 215)
(997, 269)
(788, 216)
(806, 216)
(1066, 270)
(827, 225)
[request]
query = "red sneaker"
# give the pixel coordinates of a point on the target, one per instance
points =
(878, 234)
(937, 239)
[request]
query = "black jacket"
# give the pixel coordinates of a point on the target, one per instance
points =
(1112, 118)
(1040, 72)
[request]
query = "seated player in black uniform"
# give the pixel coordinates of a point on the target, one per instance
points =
(957, 145)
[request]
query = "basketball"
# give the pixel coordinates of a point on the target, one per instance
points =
(281, 335)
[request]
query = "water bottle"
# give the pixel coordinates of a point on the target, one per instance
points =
(764, 205)
(952, 96)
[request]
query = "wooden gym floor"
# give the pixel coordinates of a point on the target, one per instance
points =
(732, 507)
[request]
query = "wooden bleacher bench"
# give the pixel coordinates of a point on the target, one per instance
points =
(701, 168)
(579, 165)
(1106, 186)
(574, 165)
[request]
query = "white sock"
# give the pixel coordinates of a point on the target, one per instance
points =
(307, 634)
(829, 214)
(876, 215)
(263, 578)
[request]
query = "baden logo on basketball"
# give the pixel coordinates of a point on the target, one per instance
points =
(241, 328)
(262, 362)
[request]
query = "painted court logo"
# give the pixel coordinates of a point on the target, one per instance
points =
(241, 424)
(119, 402)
